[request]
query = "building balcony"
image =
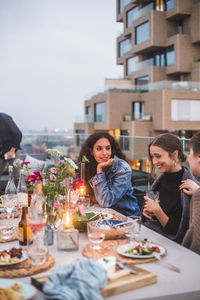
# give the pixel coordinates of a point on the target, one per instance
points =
(157, 34)
(179, 9)
(179, 31)
(195, 32)
(128, 118)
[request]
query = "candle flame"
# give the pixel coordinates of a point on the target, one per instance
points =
(67, 222)
(82, 190)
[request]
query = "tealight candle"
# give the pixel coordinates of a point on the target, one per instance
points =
(68, 236)
(82, 191)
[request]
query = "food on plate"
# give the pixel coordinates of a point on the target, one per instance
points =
(10, 256)
(139, 249)
(12, 293)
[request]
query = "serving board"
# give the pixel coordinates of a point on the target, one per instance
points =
(121, 285)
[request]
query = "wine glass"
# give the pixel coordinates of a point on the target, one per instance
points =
(9, 202)
(85, 201)
(134, 231)
(96, 234)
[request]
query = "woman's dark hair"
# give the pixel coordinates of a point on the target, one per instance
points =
(87, 147)
(194, 143)
(170, 143)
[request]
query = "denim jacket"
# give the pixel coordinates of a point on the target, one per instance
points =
(114, 188)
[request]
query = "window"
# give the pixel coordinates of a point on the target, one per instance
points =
(164, 57)
(123, 3)
(124, 47)
(142, 80)
(88, 112)
(80, 137)
(130, 65)
(99, 112)
(170, 56)
(130, 16)
(169, 4)
(124, 140)
(185, 110)
(142, 33)
(137, 110)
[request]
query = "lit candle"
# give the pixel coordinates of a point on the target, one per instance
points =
(67, 222)
(82, 191)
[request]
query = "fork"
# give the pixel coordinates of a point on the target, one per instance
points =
(164, 263)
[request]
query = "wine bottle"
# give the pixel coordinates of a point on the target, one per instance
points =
(10, 187)
(37, 208)
(24, 229)
(22, 193)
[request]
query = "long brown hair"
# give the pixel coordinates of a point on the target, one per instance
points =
(87, 147)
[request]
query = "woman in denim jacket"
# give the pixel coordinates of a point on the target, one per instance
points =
(108, 174)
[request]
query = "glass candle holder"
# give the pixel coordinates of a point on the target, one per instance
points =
(67, 238)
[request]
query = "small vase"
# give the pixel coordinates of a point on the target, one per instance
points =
(51, 216)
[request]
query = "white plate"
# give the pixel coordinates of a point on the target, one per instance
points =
(24, 257)
(27, 290)
(122, 250)
(108, 216)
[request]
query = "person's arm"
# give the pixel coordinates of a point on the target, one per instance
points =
(153, 207)
(106, 194)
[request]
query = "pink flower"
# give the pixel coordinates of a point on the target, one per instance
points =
(53, 170)
(52, 177)
(82, 210)
(64, 182)
(77, 184)
(26, 163)
(56, 205)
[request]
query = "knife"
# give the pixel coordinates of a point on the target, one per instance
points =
(164, 263)
(122, 266)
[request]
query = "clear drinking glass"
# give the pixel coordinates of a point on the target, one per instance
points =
(37, 249)
(9, 202)
(134, 231)
(96, 235)
(154, 195)
(85, 201)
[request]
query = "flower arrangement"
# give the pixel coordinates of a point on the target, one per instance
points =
(55, 178)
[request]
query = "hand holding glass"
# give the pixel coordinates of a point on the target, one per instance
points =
(154, 195)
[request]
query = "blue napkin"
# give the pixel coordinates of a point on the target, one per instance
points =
(80, 280)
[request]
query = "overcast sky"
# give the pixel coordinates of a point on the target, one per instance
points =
(54, 54)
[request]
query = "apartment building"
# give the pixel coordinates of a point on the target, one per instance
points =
(159, 50)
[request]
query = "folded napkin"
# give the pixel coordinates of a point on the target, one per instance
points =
(80, 280)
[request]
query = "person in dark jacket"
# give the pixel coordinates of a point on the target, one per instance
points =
(170, 214)
(10, 138)
(192, 237)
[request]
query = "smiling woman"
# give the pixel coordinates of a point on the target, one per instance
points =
(170, 214)
(108, 175)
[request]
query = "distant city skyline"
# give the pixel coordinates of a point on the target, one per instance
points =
(54, 54)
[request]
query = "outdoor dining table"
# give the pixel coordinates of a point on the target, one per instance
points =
(170, 285)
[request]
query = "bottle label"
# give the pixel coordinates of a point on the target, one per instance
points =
(21, 234)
